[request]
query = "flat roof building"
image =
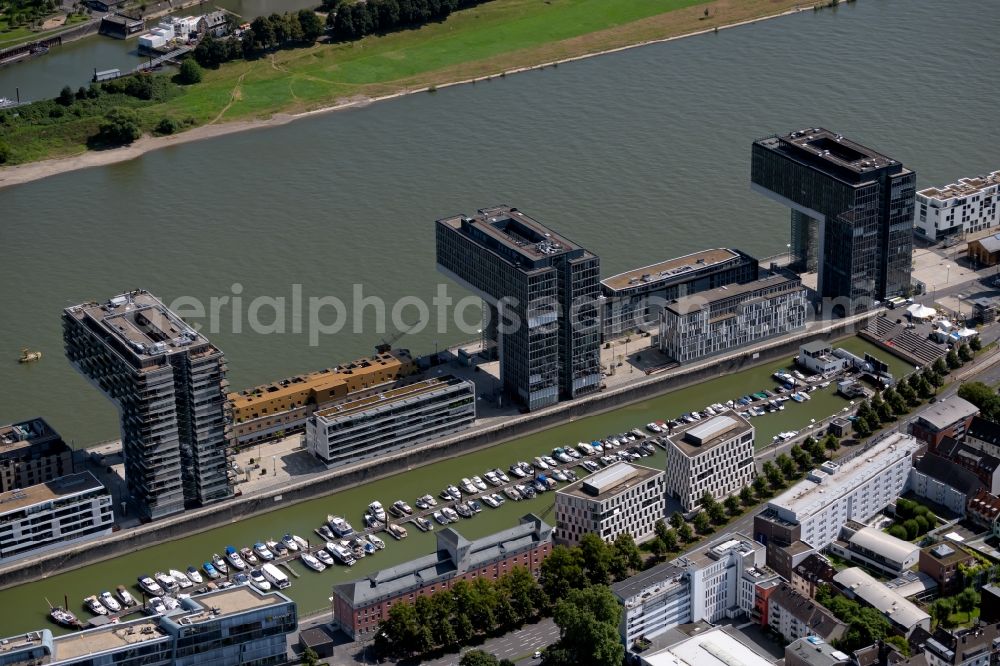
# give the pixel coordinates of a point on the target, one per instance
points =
(359, 606)
(901, 613)
(32, 452)
(713, 456)
(634, 300)
(65, 510)
(723, 576)
(852, 212)
(169, 385)
(231, 627)
(709, 646)
(283, 407)
(621, 498)
(653, 601)
(854, 489)
(814, 651)
(391, 418)
(941, 562)
(966, 207)
(875, 549)
(945, 418)
(541, 300)
(733, 317)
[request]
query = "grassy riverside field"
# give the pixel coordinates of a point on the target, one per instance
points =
(492, 38)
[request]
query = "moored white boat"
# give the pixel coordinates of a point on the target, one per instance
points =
(303, 543)
(263, 552)
(258, 580)
(377, 542)
(157, 606)
(376, 509)
(110, 602)
(95, 606)
(275, 576)
(324, 557)
(166, 581)
(194, 576)
(340, 527)
(181, 578)
(312, 562)
(150, 586)
(289, 542)
(341, 553)
(125, 596)
(233, 557)
(220, 564)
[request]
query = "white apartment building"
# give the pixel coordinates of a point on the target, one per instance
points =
(856, 489)
(714, 456)
(966, 207)
(620, 498)
(653, 601)
(390, 418)
(718, 577)
(732, 317)
(715, 581)
(66, 510)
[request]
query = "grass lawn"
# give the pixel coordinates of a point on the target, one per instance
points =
(489, 39)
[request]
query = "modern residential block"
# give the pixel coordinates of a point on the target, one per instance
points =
(634, 300)
(359, 606)
(238, 626)
(31, 452)
(815, 508)
(541, 293)
(390, 418)
(653, 601)
(169, 385)
(852, 212)
(621, 498)
(49, 515)
(945, 418)
(713, 456)
(283, 407)
(728, 318)
(966, 207)
(875, 549)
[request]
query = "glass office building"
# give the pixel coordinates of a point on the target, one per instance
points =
(852, 213)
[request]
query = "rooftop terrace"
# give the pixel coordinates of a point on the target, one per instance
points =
(142, 322)
(830, 147)
(70, 484)
(408, 392)
(671, 269)
(110, 637)
(514, 230)
(963, 188)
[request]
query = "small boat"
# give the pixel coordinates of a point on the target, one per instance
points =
(478, 482)
(211, 571)
(401, 508)
(585, 449)
(369, 548)
(339, 526)
(559, 475)
(653, 427)
(490, 502)
(797, 397)
(501, 475)
(171, 603)
(312, 562)
(326, 532)
(467, 485)
(29, 356)
(263, 552)
(194, 576)
(517, 471)
(289, 541)
(157, 606)
(372, 523)
(275, 576)
(377, 542)
(423, 524)
(539, 463)
(439, 516)
(324, 557)
(277, 547)
(423, 504)
(249, 557)
(396, 531)
(125, 596)
(303, 543)
(451, 492)
(63, 617)
(341, 553)
(220, 564)
(450, 514)
(181, 578)
(376, 509)
(95, 606)
(258, 580)
(235, 559)
(429, 500)
(463, 510)
(150, 586)
(475, 506)
(166, 581)
(110, 602)
(498, 498)
(493, 479)
(526, 468)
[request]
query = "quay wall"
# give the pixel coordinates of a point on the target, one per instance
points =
(198, 520)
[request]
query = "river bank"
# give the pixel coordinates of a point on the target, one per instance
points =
(587, 45)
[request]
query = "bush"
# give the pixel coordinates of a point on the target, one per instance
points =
(4, 153)
(167, 126)
(190, 73)
(898, 531)
(120, 127)
(65, 96)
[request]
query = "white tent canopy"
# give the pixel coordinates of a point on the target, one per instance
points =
(967, 333)
(918, 311)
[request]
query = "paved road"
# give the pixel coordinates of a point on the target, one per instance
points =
(518, 646)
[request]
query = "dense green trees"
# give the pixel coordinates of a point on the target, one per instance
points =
(912, 520)
(480, 658)
(119, 127)
(983, 397)
(266, 33)
(190, 73)
(865, 624)
(588, 630)
(349, 19)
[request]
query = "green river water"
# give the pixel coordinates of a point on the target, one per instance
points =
(312, 589)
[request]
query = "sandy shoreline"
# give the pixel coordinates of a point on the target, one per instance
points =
(25, 173)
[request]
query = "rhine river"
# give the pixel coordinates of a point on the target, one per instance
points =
(639, 156)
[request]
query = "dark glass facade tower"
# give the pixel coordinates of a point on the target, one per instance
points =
(541, 293)
(169, 384)
(852, 212)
